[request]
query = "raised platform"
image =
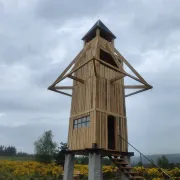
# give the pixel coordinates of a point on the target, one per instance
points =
(103, 152)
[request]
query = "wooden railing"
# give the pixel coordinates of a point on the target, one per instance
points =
(141, 154)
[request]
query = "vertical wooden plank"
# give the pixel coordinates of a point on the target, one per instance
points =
(122, 134)
(103, 130)
(106, 135)
(69, 134)
(116, 133)
(117, 137)
(95, 124)
(92, 125)
(101, 94)
(100, 129)
(126, 134)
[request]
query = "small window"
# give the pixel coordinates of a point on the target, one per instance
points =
(84, 119)
(87, 123)
(88, 118)
(81, 122)
(107, 58)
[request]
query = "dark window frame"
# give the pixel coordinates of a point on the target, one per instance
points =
(81, 122)
(107, 57)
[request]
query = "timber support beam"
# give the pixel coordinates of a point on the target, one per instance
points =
(53, 89)
(76, 79)
(63, 87)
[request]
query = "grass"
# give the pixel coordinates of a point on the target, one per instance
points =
(17, 158)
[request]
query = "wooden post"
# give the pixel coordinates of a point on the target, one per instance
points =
(97, 32)
(84, 42)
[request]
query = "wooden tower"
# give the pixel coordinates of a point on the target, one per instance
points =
(98, 112)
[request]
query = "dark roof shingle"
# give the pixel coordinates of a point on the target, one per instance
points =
(102, 28)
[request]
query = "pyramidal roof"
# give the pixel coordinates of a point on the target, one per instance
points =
(102, 28)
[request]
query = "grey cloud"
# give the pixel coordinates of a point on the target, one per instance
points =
(153, 116)
(145, 25)
(62, 10)
(33, 101)
(23, 137)
(38, 42)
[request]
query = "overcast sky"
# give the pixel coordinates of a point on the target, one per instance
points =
(39, 38)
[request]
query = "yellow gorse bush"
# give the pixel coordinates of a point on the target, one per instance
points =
(35, 169)
(18, 168)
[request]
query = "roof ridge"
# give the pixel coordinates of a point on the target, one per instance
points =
(99, 24)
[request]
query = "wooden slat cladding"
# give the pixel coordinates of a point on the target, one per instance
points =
(122, 132)
(81, 138)
(99, 98)
(109, 96)
(82, 99)
(102, 131)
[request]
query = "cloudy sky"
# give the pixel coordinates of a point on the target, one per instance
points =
(38, 39)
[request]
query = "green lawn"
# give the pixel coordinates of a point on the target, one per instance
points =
(17, 158)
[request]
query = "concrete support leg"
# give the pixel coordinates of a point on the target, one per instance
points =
(69, 167)
(95, 167)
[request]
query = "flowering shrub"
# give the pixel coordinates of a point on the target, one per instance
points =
(29, 169)
(19, 170)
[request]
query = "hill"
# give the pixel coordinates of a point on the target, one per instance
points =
(173, 158)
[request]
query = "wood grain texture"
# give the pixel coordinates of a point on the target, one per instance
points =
(64, 93)
(98, 97)
(98, 91)
(63, 87)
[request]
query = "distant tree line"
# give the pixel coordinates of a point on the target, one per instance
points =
(46, 151)
(11, 151)
(162, 162)
(24, 154)
(7, 151)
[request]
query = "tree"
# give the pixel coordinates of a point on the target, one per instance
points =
(82, 160)
(45, 147)
(152, 163)
(63, 146)
(7, 151)
(106, 161)
(59, 155)
(139, 163)
(163, 162)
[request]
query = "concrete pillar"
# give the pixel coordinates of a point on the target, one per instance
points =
(95, 167)
(68, 167)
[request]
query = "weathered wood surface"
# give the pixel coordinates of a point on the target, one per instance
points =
(98, 91)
